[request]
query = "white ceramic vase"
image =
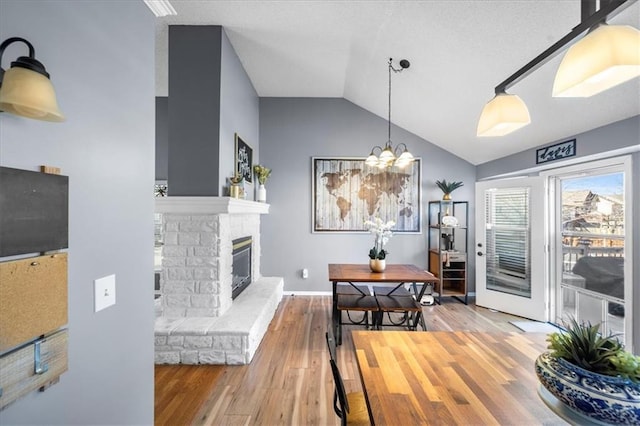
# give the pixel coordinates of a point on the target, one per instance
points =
(261, 195)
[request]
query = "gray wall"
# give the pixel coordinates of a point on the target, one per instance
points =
(204, 119)
(194, 109)
(623, 134)
(292, 131)
(101, 62)
(162, 138)
(239, 113)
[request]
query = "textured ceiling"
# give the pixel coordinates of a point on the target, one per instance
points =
(459, 51)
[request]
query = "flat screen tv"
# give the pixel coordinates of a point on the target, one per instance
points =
(34, 211)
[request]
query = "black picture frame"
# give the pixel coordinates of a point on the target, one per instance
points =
(243, 160)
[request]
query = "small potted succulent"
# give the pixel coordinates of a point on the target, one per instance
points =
(448, 187)
(591, 373)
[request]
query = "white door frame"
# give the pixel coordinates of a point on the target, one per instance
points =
(624, 163)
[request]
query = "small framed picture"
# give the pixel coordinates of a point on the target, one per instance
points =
(244, 160)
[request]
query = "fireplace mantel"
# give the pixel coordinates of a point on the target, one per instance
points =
(209, 205)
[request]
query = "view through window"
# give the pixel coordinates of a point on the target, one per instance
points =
(592, 285)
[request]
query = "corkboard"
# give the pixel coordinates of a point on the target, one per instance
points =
(33, 298)
(17, 376)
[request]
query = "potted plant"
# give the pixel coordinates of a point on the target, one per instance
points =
(591, 373)
(262, 173)
(448, 187)
(235, 189)
(382, 233)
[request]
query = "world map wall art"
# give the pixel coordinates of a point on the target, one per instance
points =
(347, 193)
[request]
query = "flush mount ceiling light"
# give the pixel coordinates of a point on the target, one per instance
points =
(390, 156)
(25, 89)
(160, 8)
(605, 57)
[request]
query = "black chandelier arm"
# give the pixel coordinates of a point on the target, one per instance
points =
(609, 9)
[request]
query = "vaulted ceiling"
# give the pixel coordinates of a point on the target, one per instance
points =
(459, 51)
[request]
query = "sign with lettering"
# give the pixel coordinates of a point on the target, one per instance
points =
(244, 160)
(556, 152)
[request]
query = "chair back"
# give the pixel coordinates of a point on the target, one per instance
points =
(331, 342)
(340, 402)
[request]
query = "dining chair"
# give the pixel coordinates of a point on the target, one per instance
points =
(351, 407)
(331, 342)
(397, 302)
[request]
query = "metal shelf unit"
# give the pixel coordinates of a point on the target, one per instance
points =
(448, 246)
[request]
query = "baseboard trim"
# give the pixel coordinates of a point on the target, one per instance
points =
(307, 293)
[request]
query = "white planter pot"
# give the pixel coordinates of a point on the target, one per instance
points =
(261, 194)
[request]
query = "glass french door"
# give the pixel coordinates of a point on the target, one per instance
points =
(592, 232)
(510, 247)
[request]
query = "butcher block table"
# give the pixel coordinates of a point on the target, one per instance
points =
(447, 378)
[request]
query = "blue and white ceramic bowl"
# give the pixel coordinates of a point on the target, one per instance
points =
(605, 398)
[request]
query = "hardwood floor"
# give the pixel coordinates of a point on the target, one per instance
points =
(289, 381)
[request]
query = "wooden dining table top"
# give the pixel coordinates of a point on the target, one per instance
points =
(458, 377)
(346, 272)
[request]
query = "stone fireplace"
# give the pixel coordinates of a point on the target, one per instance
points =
(201, 318)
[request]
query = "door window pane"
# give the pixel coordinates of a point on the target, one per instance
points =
(508, 241)
(593, 250)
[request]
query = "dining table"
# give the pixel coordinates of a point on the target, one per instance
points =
(399, 274)
(451, 377)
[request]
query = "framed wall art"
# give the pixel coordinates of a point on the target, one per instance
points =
(346, 193)
(244, 160)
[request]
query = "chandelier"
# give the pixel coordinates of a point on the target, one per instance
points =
(390, 156)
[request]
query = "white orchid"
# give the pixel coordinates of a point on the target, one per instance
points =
(382, 232)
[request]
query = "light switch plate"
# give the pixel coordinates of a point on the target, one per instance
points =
(105, 292)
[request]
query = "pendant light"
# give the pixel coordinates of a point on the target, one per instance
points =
(25, 89)
(607, 56)
(502, 115)
(390, 156)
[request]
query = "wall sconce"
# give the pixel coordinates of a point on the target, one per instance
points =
(604, 58)
(25, 88)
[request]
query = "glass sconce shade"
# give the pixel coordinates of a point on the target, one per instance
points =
(502, 115)
(604, 58)
(29, 94)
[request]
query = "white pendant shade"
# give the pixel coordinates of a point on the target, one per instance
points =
(29, 94)
(502, 115)
(604, 58)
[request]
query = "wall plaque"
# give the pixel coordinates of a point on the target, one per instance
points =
(556, 152)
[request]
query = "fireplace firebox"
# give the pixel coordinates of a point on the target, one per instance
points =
(241, 265)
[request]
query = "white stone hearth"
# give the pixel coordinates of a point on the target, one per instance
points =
(198, 322)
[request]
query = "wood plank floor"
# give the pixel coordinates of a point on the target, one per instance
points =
(289, 381)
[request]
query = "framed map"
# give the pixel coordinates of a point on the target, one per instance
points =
(346, 193)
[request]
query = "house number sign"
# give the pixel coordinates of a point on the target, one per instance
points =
(556, 152)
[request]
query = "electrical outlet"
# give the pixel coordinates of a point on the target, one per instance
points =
(305, 273)
(105, 292)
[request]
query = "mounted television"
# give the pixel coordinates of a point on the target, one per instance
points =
(34, 210)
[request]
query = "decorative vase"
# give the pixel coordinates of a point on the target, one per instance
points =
(261, 195)
(235, 191)
(447, 196)
(377, 265)
(609, 399)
